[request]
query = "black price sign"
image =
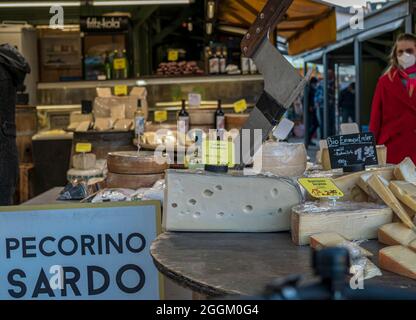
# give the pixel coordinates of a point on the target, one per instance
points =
(352, 149)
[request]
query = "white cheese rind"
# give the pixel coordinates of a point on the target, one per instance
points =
(228, 203)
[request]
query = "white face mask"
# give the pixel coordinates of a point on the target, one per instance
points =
(407, 60)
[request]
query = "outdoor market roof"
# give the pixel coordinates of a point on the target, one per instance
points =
(308, 24)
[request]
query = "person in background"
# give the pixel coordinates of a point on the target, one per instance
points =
(393, 114)
(347, 103)
(331, 103)
(13, 70)
(313, 119)
(319, 105)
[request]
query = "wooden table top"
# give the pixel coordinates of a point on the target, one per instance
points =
(216, 264)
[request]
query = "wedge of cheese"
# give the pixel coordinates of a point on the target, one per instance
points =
(397, 234)
(362, 181)
(379, 187)
(204, 201)
(398, 259)
(405, 192)
(352, 220)
(333, 239)
(406, 171)
(349, 184)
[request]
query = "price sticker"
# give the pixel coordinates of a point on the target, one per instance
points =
(173, 55)
(240, 106)
(83, 147)
(161, 116)
(119, 63)
(120, 90)
(218, 153)
(321, 187)
(194, 99)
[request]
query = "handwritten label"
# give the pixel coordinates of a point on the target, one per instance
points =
(321, 187)
(352, 149)
(161, 116)
(83, 147)
(120, 90)
(240, 106)
(173, 55)
(119, 63)
(218, 153)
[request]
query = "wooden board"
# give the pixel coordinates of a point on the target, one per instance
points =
(398, 259)
(130, 181)
(353, 221)
(132, 162)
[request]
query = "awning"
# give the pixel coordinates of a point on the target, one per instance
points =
(308, 24)
(386, 28)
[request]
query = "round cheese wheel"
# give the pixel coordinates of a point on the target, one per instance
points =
(131, 162)
(132, 181)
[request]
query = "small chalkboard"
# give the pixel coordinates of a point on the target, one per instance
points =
(352, 149)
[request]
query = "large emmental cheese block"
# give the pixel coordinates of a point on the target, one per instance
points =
(398, 259)
(204, 201)
(353, 221)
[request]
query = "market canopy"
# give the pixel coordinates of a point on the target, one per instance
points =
(308, 24)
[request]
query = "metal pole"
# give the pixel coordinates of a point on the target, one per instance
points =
(306, 121)
(326, 106)
(358, 60)
(409, 25)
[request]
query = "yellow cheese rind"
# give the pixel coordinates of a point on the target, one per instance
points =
(396, 234)
(398, 259)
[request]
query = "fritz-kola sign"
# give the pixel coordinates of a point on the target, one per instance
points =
(103, 23)
(79, 252)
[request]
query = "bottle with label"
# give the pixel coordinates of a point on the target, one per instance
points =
(118, 65)
(245, 65)
(183, 122)
(219, 121)
(223, 61)
(214, 64)
(107, 66)
(139, 122)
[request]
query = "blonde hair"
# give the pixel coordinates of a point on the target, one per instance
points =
(394, 62)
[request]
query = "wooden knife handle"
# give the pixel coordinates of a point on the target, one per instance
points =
(273, 12)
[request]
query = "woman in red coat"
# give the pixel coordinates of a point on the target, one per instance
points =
(393, 115)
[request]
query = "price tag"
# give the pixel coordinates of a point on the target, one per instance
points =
(218, 153)
(83, 147)
(161, 116)
(119, 63)
(120, 90)
(194, 99)
(240, 106)
(352, 149)
(321, 187)
(173, 55)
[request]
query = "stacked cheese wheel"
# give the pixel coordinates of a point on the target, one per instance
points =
(133, 170)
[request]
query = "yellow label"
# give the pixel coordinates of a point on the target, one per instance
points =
(321, 187)
(240, 106)
(83, 147)
(119, 63)
(120, 90)
(173, 55)
(218, 153)
(161, 116)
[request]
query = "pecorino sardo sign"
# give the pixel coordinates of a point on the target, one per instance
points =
(85, 252)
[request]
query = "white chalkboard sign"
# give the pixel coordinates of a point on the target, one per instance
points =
(352, 149)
